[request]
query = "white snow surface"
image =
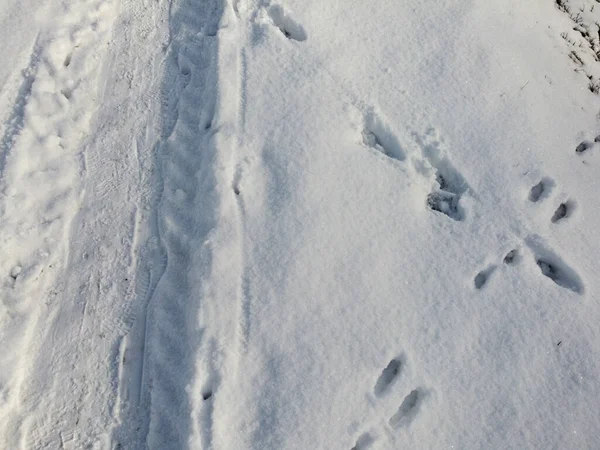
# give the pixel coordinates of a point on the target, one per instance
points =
(249, 224)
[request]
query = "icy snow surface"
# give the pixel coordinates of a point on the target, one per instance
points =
(249, 224)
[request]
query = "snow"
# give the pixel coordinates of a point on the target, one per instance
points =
(298, 224)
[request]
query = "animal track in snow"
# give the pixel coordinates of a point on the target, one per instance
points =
(541, 190)
(511, 257)
(564, 211)
(584, 146)
(432, 161)
(444, 200)
(388, 377)
(451, 184)
(548, 262)
(553, 267)
(290, 28)
(379, 136)
(558, 274)
(407, 410)
(560, 213)
(482, 277)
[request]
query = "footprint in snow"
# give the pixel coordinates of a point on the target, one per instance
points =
(549, 264)
(406, 412)
(445, 202)
(379, 136)
(541, 190)
(554, 267)
(511, 257)
(482, 277)
(564, 211)
(560, 274)
(446, 197)
(388, 377)
(584, 146)
(451, 185)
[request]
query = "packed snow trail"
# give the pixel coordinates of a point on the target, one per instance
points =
(171, 359)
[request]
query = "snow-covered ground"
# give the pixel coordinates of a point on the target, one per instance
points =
(302, 224)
